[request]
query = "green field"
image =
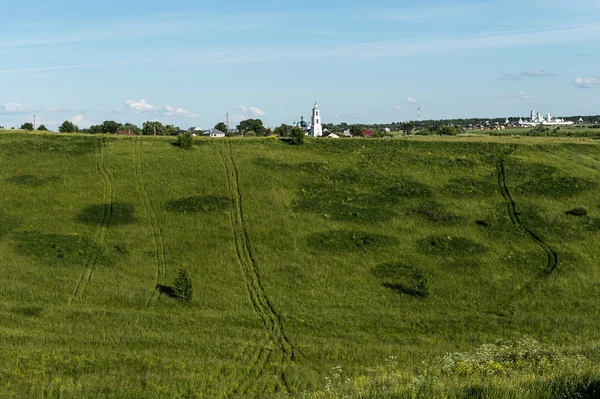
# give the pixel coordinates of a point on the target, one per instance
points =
(339, 268)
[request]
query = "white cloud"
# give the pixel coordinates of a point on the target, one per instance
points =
(587, 83)
(80, 121)
(411, 100)
(143, 107)
(13, 108)
(398, 107)
(251, 110)
(520, 96)
(537, 74)
(140, 106)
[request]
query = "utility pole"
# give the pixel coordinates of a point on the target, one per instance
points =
(227, 121)
(33, 121)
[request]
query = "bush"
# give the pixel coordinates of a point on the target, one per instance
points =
(182, 286)
(297, 136)
(185, 141)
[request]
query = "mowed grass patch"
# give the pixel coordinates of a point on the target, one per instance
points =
(450, 245)
(54, 249)
(8, 223)
(33, 180)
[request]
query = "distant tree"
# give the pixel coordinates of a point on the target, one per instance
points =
(251, 125)
(221, 126)
(297, 135)
(110, 127)
(42, 128)
(182, 286)
(153, 129)
(27, 126)
(171, 130)
(68, 127)
(408, 127)
(357, 131)
(95, 129)
(283, 130)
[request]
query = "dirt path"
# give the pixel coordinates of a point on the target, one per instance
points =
(157, 232)
(107, 199)
(268, 360)
(516, 220)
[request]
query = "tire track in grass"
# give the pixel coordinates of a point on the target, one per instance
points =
(271, 320)
(516, 220)
(107, 199)
(157, 232)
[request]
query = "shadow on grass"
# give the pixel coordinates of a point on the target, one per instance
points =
(28, 310)
(198, 204)
(435, 212)
(122, 214)
(33, 180)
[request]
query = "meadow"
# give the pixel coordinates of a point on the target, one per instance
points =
(423, 267)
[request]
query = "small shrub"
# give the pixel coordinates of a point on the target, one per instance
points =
(182, 286)
(185, 141)
(297, 136)
(420, 283)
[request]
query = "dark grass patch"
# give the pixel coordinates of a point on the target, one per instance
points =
(33, 180)
(449, 245)
(55, 144)
(306, 167)
(8, 223)
(54, 249)
(556, 186)
(517, 169)
(472, 187)
(349, 241)
(407, 188)
(122, 214)
(482, 223)
(546, 228)
(435, 212)
(28, 310)
(577, 211)
(345, 203)
(198, 204)
(450, 161)
(391, 271)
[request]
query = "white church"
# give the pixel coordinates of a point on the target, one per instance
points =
(315, 127)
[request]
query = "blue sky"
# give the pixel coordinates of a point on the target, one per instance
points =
(189, 62)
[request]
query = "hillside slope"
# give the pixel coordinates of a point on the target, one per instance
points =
(334, 255)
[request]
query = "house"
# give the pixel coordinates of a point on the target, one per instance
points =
(214, 133)
(125, 133)
(347, 133)
(332, 136)
(388, 130)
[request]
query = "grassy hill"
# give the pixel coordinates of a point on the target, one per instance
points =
(347, 267)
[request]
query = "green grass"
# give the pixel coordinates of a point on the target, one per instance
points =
(305, 260)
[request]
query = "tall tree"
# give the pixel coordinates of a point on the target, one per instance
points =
(42, 128)
(27, 126)
(251, 125)
(153, 129)
(222, 127)
(68, 127)
(110, 127)
(283, 130)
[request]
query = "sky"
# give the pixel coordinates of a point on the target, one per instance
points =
(188, 63)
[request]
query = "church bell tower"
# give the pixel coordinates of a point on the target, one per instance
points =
(316, 129)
